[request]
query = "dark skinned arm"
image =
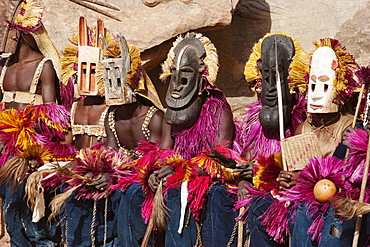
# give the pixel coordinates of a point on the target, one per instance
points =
(227, 132)
(166, 139)
(48, 83)
(155, 127)
(166, 143)
(226, 129)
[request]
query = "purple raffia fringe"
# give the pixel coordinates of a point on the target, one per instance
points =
(330, 168)
(188, 143)
(25, 30)
(66, 94)
(256, 142)
(357, 142)
(95, 160)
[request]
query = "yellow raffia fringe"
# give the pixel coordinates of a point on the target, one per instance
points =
(69, 59)
(214, 168)
(344, 60)
(134, 66)
(32, 14)
(300, 60)
(211, 59)
(49, 123)
(251, 70)
(177, 159)
(299, 67)
(37, 152)
(257, 179)
(24, 131)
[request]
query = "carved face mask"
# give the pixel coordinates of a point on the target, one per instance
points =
(88, 59)
(115, 71)
(321, 83)
(183, 99)
(282, 56)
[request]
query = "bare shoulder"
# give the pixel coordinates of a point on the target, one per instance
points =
(156, 121)
(48, 67)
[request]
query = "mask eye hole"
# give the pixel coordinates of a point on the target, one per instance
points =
(184, 81)
(326, 86)
(313, 86)
(267, 79)
(118, 76)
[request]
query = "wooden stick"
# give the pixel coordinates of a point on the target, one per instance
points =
(83, 37)
(94, 8)
(99, 31)
(280, 106)
(148, 231)
(240, 229)
(107, 5)
(358, 105)
(362, 195)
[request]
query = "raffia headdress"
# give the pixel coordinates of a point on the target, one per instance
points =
(137, 77)
(27, 19)
(210, 60)
(299, 63)
(69, 59)
(344, 83)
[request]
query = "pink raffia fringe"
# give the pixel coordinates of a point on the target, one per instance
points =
(330, 168)
(34, 124)
(357, 143)
(255, 142)
(128, 171)
(95, 160)
(191, 142)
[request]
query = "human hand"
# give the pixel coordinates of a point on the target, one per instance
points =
(245, 169)
(287, 180)
(100, 181)
(158, 175)
(33, 165)
(242, 191)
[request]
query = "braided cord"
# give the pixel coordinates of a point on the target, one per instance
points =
(233, 234)
(92, 228)
(105, 221)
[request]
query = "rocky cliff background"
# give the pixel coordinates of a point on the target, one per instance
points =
(233, 26)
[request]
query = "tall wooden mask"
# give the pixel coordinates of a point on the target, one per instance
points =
(88, 59)
(272, 55)
(184, 92)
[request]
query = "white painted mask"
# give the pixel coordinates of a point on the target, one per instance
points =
(321, 82)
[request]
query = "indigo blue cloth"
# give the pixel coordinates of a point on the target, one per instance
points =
(258, 234)
(189, 233)
(217, 222)
(18, 218)
(130, 224)
(300, 237)
(77, 216)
